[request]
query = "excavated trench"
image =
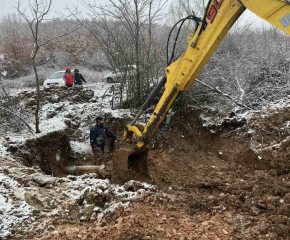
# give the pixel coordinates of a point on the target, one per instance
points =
(188, 146)
(50, 153)
(53, 155)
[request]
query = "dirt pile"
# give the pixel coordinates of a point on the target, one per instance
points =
(270, 135)
(150, 219)
(55, 95)
(33, 204)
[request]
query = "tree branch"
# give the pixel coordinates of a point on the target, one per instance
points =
(16, 115)
(59, 36)
(224, 94)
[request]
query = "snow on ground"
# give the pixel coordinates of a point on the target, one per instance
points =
(121, 196)
(3, 150)
(15, 212)
(82, 110)
(272, 108)
(51, 125)
(12, 215)
(54, 115)
(80, 147)
(15, 91)
(20, 216)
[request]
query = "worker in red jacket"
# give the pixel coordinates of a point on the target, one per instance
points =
(68, 77)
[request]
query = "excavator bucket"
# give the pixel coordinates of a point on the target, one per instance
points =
(130, 161)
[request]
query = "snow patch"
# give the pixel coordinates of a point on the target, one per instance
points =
(3, 151)
(78, 186)
(80, 147)
(12, 215)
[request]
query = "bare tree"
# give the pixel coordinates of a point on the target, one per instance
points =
(39, 9)
(182, 8)
(250, 68)
(126, 31)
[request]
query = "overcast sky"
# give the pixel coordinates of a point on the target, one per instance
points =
(59, 7)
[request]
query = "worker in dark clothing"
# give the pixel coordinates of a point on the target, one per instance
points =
(78, 78)
(98, 135)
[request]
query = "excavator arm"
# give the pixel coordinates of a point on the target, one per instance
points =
(220, 15)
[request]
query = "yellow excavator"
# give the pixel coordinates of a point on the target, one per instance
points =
(219, 17)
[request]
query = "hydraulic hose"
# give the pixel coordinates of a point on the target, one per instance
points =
(150, 99)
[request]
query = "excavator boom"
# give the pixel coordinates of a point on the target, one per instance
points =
(221, 15)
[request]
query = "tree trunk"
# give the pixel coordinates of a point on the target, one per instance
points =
(121, 96)
(137, 49)
(37, 96)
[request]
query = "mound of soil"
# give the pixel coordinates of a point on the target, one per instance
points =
(55, 95)
(33, 204)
